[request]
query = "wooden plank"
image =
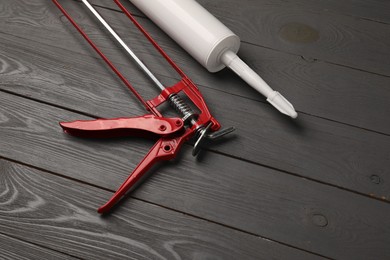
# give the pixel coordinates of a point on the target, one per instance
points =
(304, 28)
(60, 214)
(348, 41)
(247, 197)
(316, 88)
(374, 10)
(292, 210)
(314, 148)
(12, 248)
(327, 37)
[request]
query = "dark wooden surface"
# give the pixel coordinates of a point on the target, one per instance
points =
(315, 187)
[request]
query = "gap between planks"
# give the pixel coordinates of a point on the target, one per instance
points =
(189, 144)
(39, 245)
(350, 118)
(146, 202)
(203, 86)
(274, 49)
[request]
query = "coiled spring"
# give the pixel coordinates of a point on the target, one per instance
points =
(181, 107)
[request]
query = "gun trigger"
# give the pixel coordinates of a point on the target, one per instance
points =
(143, 126)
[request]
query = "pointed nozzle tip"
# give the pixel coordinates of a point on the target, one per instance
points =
(293, 114)
(282, 104)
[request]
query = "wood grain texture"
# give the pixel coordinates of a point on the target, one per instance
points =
(341, 37)
(292, 210)
(12, 248)
(60, 214)
(374, 10)
(215, 206)
(314, 87)
(314, 148)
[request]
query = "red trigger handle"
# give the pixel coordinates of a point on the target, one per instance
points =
(163, 150)
(142, 126)
(171, 132)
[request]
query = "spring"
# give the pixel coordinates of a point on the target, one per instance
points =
(181, 107)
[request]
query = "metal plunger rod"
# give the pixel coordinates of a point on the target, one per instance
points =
(124, 45)
(175, 100)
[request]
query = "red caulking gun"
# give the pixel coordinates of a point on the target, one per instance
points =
(172, 132)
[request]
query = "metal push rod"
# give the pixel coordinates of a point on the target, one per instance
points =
(176, 101)
(124, 45)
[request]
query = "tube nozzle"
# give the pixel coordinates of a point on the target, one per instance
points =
(231, 60)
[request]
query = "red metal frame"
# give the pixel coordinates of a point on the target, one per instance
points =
(171, 131)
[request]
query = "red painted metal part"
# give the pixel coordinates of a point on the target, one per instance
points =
(165, 149)
(149, 37)
(104, 57)
(125, 126)
(185, 85)
(170, 131)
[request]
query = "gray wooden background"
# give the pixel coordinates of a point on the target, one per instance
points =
(315, 187)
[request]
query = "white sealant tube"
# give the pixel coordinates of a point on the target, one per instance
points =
(209, 41)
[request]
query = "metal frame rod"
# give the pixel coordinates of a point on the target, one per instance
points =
(151, 40)
(124, 45)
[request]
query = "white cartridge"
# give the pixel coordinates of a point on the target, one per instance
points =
(209, 41)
